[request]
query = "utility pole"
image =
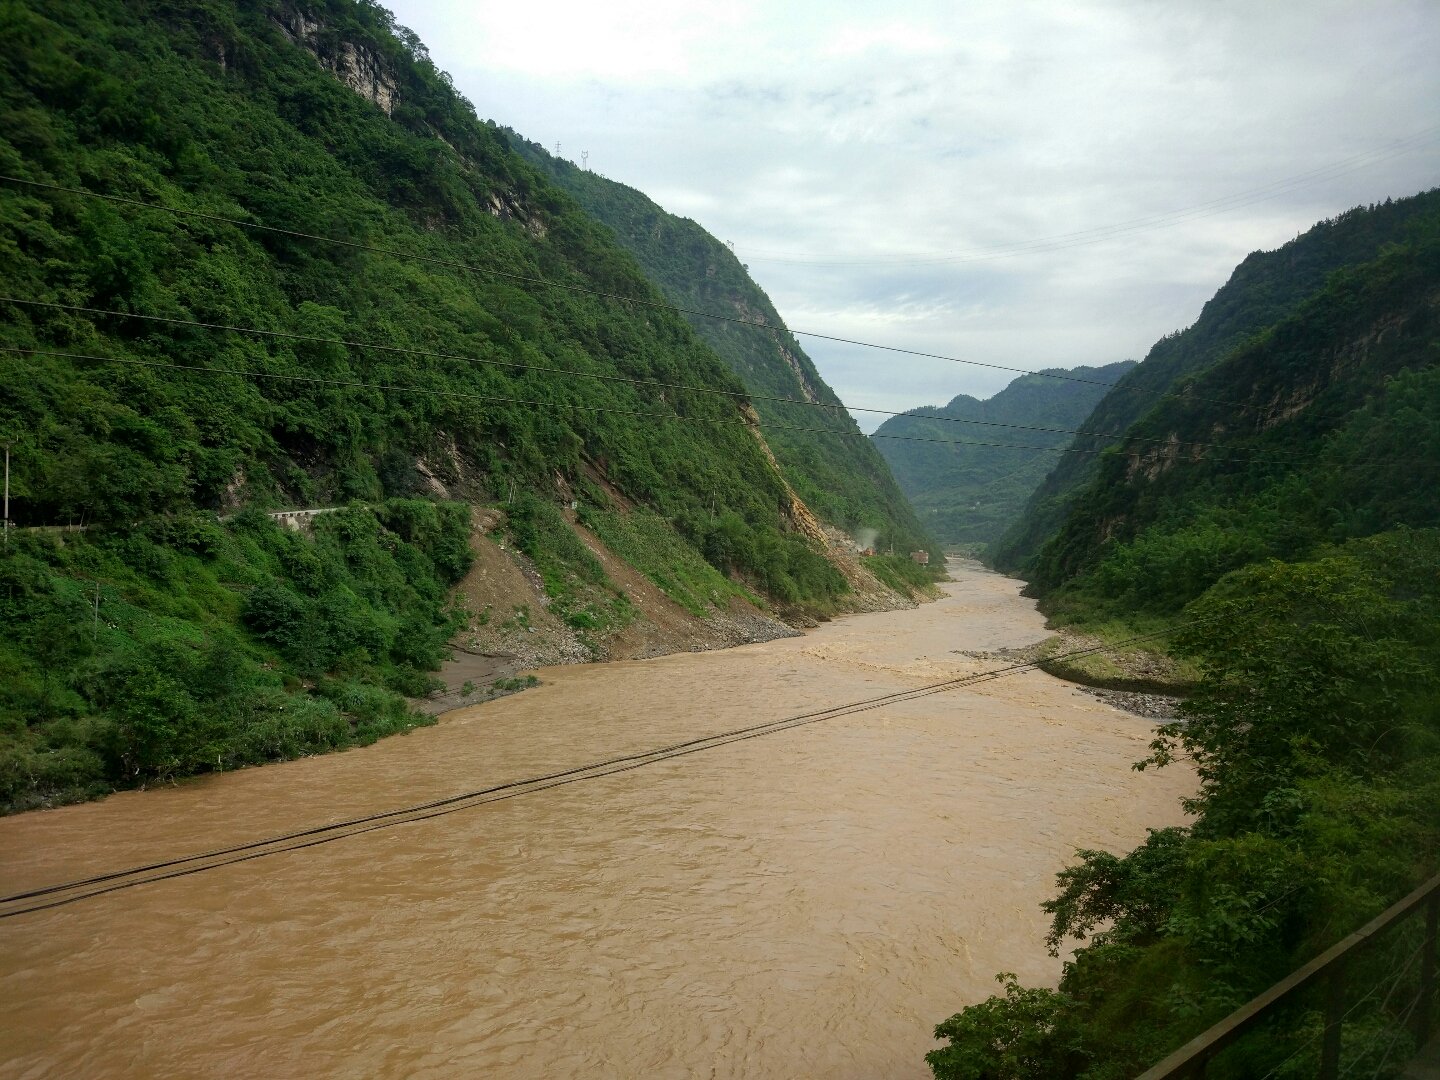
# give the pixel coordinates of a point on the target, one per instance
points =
(7, 494)
(557, 149)
(95, 633)
(585, 159)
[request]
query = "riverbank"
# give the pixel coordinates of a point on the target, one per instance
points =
(511, 627)
(805, 904)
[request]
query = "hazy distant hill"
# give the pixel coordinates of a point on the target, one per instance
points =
(972, 494)
(1265, 288)
(820, 450)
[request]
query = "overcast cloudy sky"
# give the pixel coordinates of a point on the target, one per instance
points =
(1029, 184)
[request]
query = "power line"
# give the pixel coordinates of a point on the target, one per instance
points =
(654, 304)
(494, 398)
(647, 383)
(114, 881)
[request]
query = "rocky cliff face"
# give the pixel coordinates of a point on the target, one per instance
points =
(354, 65)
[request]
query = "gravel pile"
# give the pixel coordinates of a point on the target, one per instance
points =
(1153, 706)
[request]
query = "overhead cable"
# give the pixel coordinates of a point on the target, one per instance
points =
(599, 376)
(52, 896)
(495, 398)
(658, 305)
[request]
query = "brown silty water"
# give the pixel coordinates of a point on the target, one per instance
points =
(807, 904)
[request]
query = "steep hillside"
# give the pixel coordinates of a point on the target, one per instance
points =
(363, 300)
(970, 495)
(821, 452)
(1281, 520)
(1324, 428)
(1264, 289)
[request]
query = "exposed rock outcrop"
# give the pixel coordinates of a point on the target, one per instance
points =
(354, 65)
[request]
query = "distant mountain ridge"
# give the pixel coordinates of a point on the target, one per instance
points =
(970, 494)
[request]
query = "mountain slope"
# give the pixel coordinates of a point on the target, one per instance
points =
(972, 494)
(821, 452)
(168, 377)
(1324, 428)
(1264, 288)
(1293, 558)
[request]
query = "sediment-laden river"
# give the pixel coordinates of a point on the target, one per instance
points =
(806, 904)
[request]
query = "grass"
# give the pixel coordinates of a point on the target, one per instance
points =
(904, 575)
(646, 541)
(1144, 666)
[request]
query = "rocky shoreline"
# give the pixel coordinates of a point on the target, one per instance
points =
(1136, 681)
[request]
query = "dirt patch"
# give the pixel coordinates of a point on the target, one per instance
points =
(664, 626)
(511, 629)
(510, 621)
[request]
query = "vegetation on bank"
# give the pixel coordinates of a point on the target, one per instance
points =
(648, 543)
(187, 644)
(1296, 555)
(904, 575)
(1314, 732)
(1146, 665)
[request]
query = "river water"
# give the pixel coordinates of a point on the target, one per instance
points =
(806, 904)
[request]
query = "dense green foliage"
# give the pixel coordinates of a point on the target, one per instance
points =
(1298, 551)
(646, 542)
(1325, 427)
(270, 136)
(835, 470)
(1264, 289)
(488, 379)
(186, 644)
(969, 495)
(1317, 742)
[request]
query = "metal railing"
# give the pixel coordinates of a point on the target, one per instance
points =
(1331, 966)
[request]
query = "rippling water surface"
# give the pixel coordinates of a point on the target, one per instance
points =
(807, 904)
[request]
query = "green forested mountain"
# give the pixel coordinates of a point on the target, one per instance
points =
(1263, 289)
(1317, 744)
(1282, 514)
(185, 630)
(1322, 428)
(820, 450)
(971, 494)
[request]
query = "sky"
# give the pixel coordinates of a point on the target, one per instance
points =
(1029, 185)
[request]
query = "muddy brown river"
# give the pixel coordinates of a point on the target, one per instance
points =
(806, 904)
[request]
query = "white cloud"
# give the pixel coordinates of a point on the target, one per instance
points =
(860, 160)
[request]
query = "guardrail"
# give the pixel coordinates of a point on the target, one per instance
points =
(1331, 965)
